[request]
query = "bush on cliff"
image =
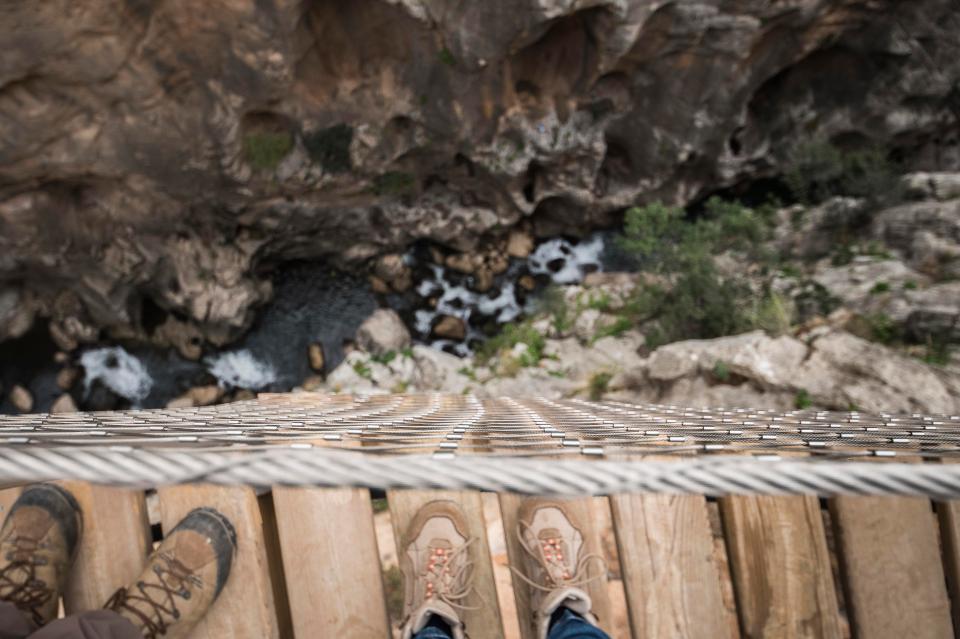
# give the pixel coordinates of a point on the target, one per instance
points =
(697, 302)
(264, 150)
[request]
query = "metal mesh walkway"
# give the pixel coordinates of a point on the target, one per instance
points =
(452, 441)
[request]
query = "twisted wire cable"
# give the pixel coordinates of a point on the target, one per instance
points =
(319, 467)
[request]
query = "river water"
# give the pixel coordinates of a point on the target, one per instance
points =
(312, 303)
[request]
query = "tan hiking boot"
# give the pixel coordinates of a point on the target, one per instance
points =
(556, 562)
(37, 545)
(437, 570)
(182, 578)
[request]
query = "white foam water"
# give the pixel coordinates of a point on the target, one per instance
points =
(240, 369)
(574, 257)
(118, 370)
(459, 301)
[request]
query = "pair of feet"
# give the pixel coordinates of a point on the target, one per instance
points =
(438, 570)
(182, 578)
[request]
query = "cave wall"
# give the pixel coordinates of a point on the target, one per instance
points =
(129, 129)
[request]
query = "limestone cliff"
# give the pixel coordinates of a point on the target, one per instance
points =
(163, 154)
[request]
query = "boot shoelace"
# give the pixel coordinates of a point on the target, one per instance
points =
(18, 579)
(550, 554)
(449, 579)
(173, 580)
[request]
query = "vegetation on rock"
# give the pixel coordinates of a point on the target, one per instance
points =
(330, 147)
(263, 150)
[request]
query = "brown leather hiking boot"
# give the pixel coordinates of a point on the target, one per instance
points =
(182, 578)
(556, 562)
(436, 566)
(37, 545)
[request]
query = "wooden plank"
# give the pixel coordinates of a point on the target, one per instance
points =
(484, 622)
(113, 546)
(891, 567)
(781, 567)
(666, 558)
(245, 608)
(331, 562)
(948, 513)
(510, 506)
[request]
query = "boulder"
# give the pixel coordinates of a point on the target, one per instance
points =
(383, 332)
(16, 313)
(316, 356)
(206, 395)
(378, 285)
(313, 383)
(449, 327)
(835, 369)
(936, 186)
(860, 284)
(769, 361)
(393, 270)
(198, 396)
(64, 404)
(926, 233)
(519, 244)
(21, 399)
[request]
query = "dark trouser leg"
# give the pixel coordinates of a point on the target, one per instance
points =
(13, 624)
(95, 624)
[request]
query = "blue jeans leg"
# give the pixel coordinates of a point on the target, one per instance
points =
(569, 625)
(436, 628)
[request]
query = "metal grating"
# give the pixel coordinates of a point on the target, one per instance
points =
(454, 425)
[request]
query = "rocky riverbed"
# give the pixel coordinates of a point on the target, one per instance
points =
(326, 330)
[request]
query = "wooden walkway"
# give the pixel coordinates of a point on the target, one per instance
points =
(308, 563)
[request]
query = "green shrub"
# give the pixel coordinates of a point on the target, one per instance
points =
(509, 337)
(818, 170)
(721, 372)
(909, 285)
(876, 327)
(264, 150)
(599, 301)
(394, 183)
(698, 302)
(361, 369)
(619, 326)
(330, 147)
(937, 352)
(879, 288)
(652, 233)
(598, 385)
(815, 167)
(802, 400)
(699, 305)
(812, 300)
(446, 57)
(773, 314)
(553, 302)
(384, 358)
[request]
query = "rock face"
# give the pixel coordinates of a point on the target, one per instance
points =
(154, 155)
(834, 369)
(383, 332)
(21, 399)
